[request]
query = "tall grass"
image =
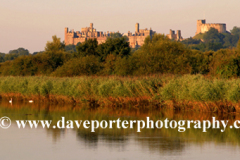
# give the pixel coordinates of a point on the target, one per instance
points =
(158, 88)
(198, 88)
(79, 87)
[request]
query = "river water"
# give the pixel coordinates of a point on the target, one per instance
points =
(108, 144)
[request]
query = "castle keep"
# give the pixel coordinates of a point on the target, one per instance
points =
(203, 27)
(135, 39)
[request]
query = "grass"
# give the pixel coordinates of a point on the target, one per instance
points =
(198, 88)
(180, 92)
(81, 89)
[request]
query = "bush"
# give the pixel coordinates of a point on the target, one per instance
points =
(161, 55)
(88, 65)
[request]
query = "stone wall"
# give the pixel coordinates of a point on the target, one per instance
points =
(203, 27)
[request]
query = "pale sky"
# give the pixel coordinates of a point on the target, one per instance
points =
(31, 23)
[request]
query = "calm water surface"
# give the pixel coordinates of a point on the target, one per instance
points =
(44, 144)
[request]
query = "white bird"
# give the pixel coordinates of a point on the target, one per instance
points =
(30, 101)
(10, 101)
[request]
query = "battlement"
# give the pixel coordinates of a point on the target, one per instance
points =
(203, 27)
(201, 21)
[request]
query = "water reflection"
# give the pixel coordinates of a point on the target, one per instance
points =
(150, 142)
(162, 144)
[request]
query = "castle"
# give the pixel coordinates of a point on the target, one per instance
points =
(203, 27)
(135, 40)
(74, 38)
(175, 36)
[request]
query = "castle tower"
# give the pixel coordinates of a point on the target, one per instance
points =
(91, 25)
(172, 33)
(137, 27)
(199, 25)
(222, 28)
(65, 36)
(178, 35)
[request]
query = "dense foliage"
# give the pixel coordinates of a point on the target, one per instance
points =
(213, 40)
(39, 64)
(158, 55)
(13, 54)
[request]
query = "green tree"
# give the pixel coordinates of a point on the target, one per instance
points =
(230, 40)
(19, 51)
(159, 54)
(225, 63)
(10, 56)
(88, 47)
(190, 41)
(117, 35)
(34, 53)
(15, 53)
(87, 65)
(238, 46)
(2, 55)
(213, 36)
(235, 31)
(71, 48)
(115, 46)
(199, 61)
(213, 40)
(55, 45)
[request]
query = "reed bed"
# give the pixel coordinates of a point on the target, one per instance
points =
(105, 90)
(194, 92)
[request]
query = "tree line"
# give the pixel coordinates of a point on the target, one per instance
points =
(158, 55)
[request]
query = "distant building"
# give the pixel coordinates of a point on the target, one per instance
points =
(74, 38)
(203, 27)
(174, 36)
(135, 40)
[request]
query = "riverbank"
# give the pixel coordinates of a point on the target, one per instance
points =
(188, 92)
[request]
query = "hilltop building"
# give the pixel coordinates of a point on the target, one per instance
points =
(74, 38)
(174, 36)
(203, 27)
(135, 40)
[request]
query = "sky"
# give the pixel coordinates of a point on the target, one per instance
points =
(31, 23)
